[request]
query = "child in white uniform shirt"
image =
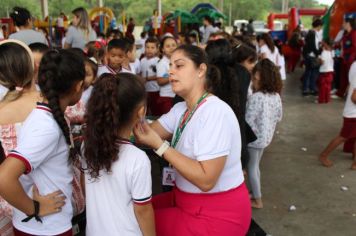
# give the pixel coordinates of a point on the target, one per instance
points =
(148, 71)
(326, 70)
(117, 174)
(166, 93)
(44, 152)
(264, 110)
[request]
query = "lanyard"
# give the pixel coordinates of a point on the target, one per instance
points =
(186, 118)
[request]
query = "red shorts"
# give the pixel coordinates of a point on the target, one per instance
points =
(152, 103)
(179, 213)
(164, 104)
(348, 129)
(20, 233)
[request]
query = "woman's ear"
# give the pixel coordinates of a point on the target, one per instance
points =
(141, 112)
(202, 70)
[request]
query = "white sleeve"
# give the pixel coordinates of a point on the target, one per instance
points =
(70, 35)
(169, 120)
(162, 70)
(213, 137)
(141, 181)
(352, 74)
(35, 146)
(264, 49)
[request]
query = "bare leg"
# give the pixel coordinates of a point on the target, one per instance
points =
(323, 157)
(353, 166)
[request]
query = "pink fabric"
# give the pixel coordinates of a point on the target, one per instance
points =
(179, 213)
(75, 113)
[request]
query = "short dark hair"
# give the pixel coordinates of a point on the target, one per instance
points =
(152, 40)
(317, 23)
(38, 47)
(243, 52)
(20, 16)
(119, 44)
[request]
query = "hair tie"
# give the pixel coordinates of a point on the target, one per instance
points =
(19, 89)
(97, 45)
(16, 12)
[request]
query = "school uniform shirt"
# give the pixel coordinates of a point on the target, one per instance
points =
(328, 62)
(43, 150)
(281, 62)
(136, 66)
(102, 69)
(147, 71)
(212, 132)
(272, 56)
(350, 106)
(263, 112)
(110, 198)
(163, 71)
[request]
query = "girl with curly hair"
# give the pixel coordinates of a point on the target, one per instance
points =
(118, 181)
(264, 110)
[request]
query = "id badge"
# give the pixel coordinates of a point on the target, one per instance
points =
(169, 176)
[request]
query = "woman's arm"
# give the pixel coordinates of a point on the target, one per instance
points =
(145, 218)
(11, 190)
(203, 174)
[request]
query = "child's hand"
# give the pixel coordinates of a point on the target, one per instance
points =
(50, 203)
(145, 135)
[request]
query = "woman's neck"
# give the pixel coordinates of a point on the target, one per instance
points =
(25, 27)
(125, 132)
(192, 98)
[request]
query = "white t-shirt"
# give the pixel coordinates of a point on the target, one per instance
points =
(212, 132)
(136, 66)
(3, 91)
(147, 71)
(282, 64)
(29, 36)
(163, 71)
(44, 151)
(350, 107)
(272, 56)
(77, 39)
(110, 199)
(328, 61)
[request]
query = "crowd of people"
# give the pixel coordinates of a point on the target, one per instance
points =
(73, 119)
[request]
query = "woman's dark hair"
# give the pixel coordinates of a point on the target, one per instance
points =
(242, 52)
(270, 76)
(110, 107)
(38, 47)
(219, 53)
(16, 69)
(20, 16)
(152, 40)
(199, 56)
(317, 23)
(58, 73)
(268, 40)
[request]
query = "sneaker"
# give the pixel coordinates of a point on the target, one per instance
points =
(333, 91)
(335, 96)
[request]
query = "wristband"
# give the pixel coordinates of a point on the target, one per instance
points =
(35, 215)
(162, 149)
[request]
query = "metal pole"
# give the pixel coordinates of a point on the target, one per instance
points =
(159, 7)
(44, 6)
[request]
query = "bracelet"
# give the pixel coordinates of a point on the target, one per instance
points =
(35, 215)
(162, 149)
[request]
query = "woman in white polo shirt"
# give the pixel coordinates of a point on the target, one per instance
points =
(44, 152)
(210, 197)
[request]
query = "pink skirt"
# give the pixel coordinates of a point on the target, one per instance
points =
(226, 213)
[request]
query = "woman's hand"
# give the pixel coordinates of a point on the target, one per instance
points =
(145, 135)
(50, 203)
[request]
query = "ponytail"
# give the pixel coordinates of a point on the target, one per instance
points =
(112, 103)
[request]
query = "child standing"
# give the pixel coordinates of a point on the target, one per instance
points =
(44, 152)
(264, 110)
(326, 72)
(148, 72)
(115, 56)
(117, 174)
(348, 130)
(166, 94)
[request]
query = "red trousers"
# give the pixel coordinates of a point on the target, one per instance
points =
(152, 103)
(179, 213)
(20, 233)
(324, 82)
(164, 105)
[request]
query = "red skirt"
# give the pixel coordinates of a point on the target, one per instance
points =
(348, 129)
(179, 213)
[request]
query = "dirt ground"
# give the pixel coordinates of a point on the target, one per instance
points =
(291, 174)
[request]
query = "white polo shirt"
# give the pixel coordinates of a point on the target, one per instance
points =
(44, 151)
(350, 107)
(212, 132)
(163, 71)
(272, 56)
(110, 198)
(147, 71)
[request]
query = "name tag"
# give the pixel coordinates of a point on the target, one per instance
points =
(169, 176)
